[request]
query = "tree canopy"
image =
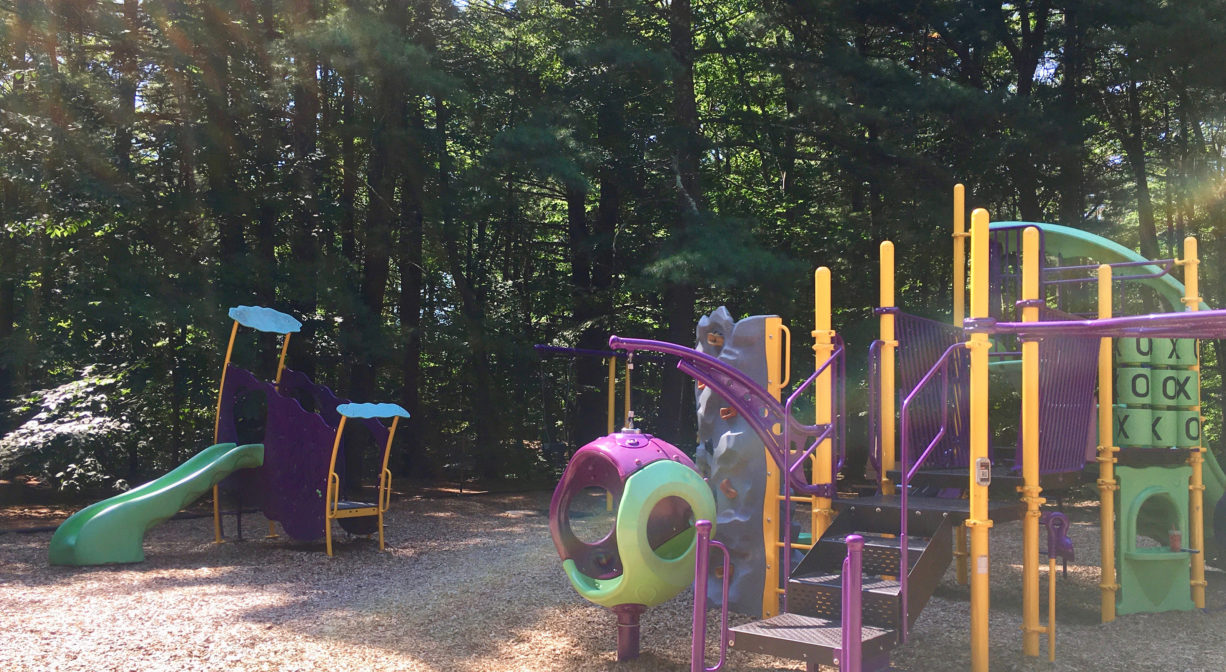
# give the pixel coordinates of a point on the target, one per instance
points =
(433, 186)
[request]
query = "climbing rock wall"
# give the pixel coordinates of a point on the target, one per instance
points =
(733, 459)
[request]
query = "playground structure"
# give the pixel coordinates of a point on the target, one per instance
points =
(295, 475)
(874, 561)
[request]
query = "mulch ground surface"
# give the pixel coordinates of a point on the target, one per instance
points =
(472, 582)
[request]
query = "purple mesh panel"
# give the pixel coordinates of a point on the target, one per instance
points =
(921, 342)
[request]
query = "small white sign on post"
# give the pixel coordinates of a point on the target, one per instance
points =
(983, 471)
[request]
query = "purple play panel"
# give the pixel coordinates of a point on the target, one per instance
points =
(289, 488)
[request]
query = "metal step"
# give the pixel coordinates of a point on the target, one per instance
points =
(880, 512)
(881, 552)
(813, 640)
(820, 596)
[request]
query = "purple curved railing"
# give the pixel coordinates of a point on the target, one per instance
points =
(752, 402)
(941, 367)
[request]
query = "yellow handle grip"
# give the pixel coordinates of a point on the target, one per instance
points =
(786, 374)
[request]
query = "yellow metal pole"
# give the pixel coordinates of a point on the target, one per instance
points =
(612, 424)
(385, 478)
(960, 234)
(217, 426)
(334, 488)
(823, 347)
(774, 476)
(626, 401)
(612, 395)
(1196, 489)
(888, 344)
(281, 362)
(979, 522)
(959, 254)
(1030, 449)
(1106, 454)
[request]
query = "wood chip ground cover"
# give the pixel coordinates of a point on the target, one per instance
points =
(474, 583)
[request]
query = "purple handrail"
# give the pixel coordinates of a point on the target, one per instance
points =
(698, 644)
(850, 657)
(789, 468)
(874, 405)
(941, 366)
(748, 398)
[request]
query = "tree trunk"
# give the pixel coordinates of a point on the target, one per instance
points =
(409, 259)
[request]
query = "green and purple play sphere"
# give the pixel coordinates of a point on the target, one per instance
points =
(648, 556)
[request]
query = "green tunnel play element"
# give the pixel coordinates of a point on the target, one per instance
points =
(113, 530)
(650, 576)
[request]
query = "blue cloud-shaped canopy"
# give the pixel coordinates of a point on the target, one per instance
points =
(372, 411)
(265, 319)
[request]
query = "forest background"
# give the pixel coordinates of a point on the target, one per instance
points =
(433, 186)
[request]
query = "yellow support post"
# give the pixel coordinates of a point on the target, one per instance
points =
(774, 477)
(281, 363)
(959, 290)
(333, 495)
(217, 426)
(1030, 448)
(1196, 488)
(385, 478)
(979, 521)
(888, 344)
(1106, 454)
(612, 424)
(959, 254)
(823, 346)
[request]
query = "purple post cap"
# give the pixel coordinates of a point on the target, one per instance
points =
(265, 319)
(372, 411)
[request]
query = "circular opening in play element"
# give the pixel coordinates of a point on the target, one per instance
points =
(670, 528)
(589, 514)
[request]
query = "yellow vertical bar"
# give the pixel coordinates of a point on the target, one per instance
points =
(979, 522)
(959, 289)
(888, 344)
(217, 426)
(1196, 489)
(774, 475)
(626, 402)
(221, 385)
(823, 347)
(612, 424)
(281, 362)
(334, 488)
(1106, 454)
(385, 478)
(959, 254)
(1030, 449)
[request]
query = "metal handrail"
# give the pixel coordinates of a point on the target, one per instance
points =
(1167, 265)
(874, 404)
(789, 469)
(698, 643)
(942, 366)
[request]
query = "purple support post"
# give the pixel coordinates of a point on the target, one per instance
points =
(628, 630)
(849, 659)
(702, 563)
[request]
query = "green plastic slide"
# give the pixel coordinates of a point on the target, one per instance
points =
(113, 530)
(1072, 242)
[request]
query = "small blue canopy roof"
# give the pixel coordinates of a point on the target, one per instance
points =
(265, 319)
(372, 411)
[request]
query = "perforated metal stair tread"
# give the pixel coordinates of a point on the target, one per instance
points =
(879, 540)
(869, 584)
(816, 640)
(958, 509)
